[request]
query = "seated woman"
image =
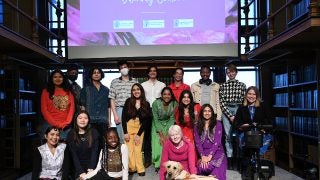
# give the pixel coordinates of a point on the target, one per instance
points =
(207, 137)
(113, 159)
(177, 148)
(51, 160)
(83, 144)
(250, 112)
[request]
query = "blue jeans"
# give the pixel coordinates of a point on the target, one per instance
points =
(228, 130)
(119, 126)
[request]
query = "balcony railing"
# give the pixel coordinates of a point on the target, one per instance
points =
(280, 17)
(31, 20)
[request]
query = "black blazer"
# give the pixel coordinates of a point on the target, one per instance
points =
(261, 116)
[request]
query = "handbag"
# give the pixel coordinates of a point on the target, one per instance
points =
(101, 175)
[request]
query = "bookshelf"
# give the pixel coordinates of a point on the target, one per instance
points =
(295, 96)
(19, 117)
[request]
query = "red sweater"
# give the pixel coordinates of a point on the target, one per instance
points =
(177, 90)
(185, 155)
(59, 110)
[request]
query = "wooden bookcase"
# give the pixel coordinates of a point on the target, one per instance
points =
(294, 96)
(19, 104)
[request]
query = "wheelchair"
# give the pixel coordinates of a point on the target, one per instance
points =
(254, 168)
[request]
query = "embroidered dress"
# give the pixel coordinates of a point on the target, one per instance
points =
(162, 120)
(210, 143)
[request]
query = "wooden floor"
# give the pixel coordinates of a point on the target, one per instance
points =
(280, 174)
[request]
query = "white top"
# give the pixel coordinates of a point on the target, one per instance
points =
(152, 90)
(51, 164)
(123, 173)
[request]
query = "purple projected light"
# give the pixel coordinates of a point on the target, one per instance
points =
(120, 23)
(150, 15)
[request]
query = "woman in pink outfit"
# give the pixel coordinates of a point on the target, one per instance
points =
(177, 148)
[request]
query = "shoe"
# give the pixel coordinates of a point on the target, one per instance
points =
(156, 170)
(230, 163)
(142, 174)
(147, 164)
(132, 173)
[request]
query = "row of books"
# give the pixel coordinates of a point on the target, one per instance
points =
(305, 125)
(281, 99)
(2, 95)
(3, 123)
(25, 84)
(280, 80)
(306, 99)
(303, 74)
(25, 105)
(300, 8)
(281, 123)
(27, 129)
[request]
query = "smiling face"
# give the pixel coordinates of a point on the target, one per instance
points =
(82, 120)
(152, 73)
(251, 97)
(57, 79)
(112, 139)
(186, 99)
(136, 91)
(175, 137)
(207, 113)
(178, 75)
(166, 96)
(205, 73)
(53, 137)
(231, 74)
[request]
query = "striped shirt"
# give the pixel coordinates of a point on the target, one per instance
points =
(120, 90)
(230, 93)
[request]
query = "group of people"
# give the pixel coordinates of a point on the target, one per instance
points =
(154, 123)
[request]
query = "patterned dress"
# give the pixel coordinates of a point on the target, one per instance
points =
(210, 143)
(162, 120)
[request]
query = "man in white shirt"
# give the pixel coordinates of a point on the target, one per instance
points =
(152, 87)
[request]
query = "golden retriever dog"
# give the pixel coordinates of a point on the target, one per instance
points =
(175, 171)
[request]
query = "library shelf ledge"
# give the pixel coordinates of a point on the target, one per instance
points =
(304, 135)
(303, 158)
(303, 109)
(27, 113)
(279, 87)
(304, 83)
(30, 135)
(27, 91)
(280, 106)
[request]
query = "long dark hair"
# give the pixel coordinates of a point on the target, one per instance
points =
(145, 106)
(201, 122)
(65, 84)
(104, 163)
(190, 107)
(88, 131)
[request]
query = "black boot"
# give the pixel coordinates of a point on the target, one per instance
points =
(230, 163)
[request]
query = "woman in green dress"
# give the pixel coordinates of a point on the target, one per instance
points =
(163, 118)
